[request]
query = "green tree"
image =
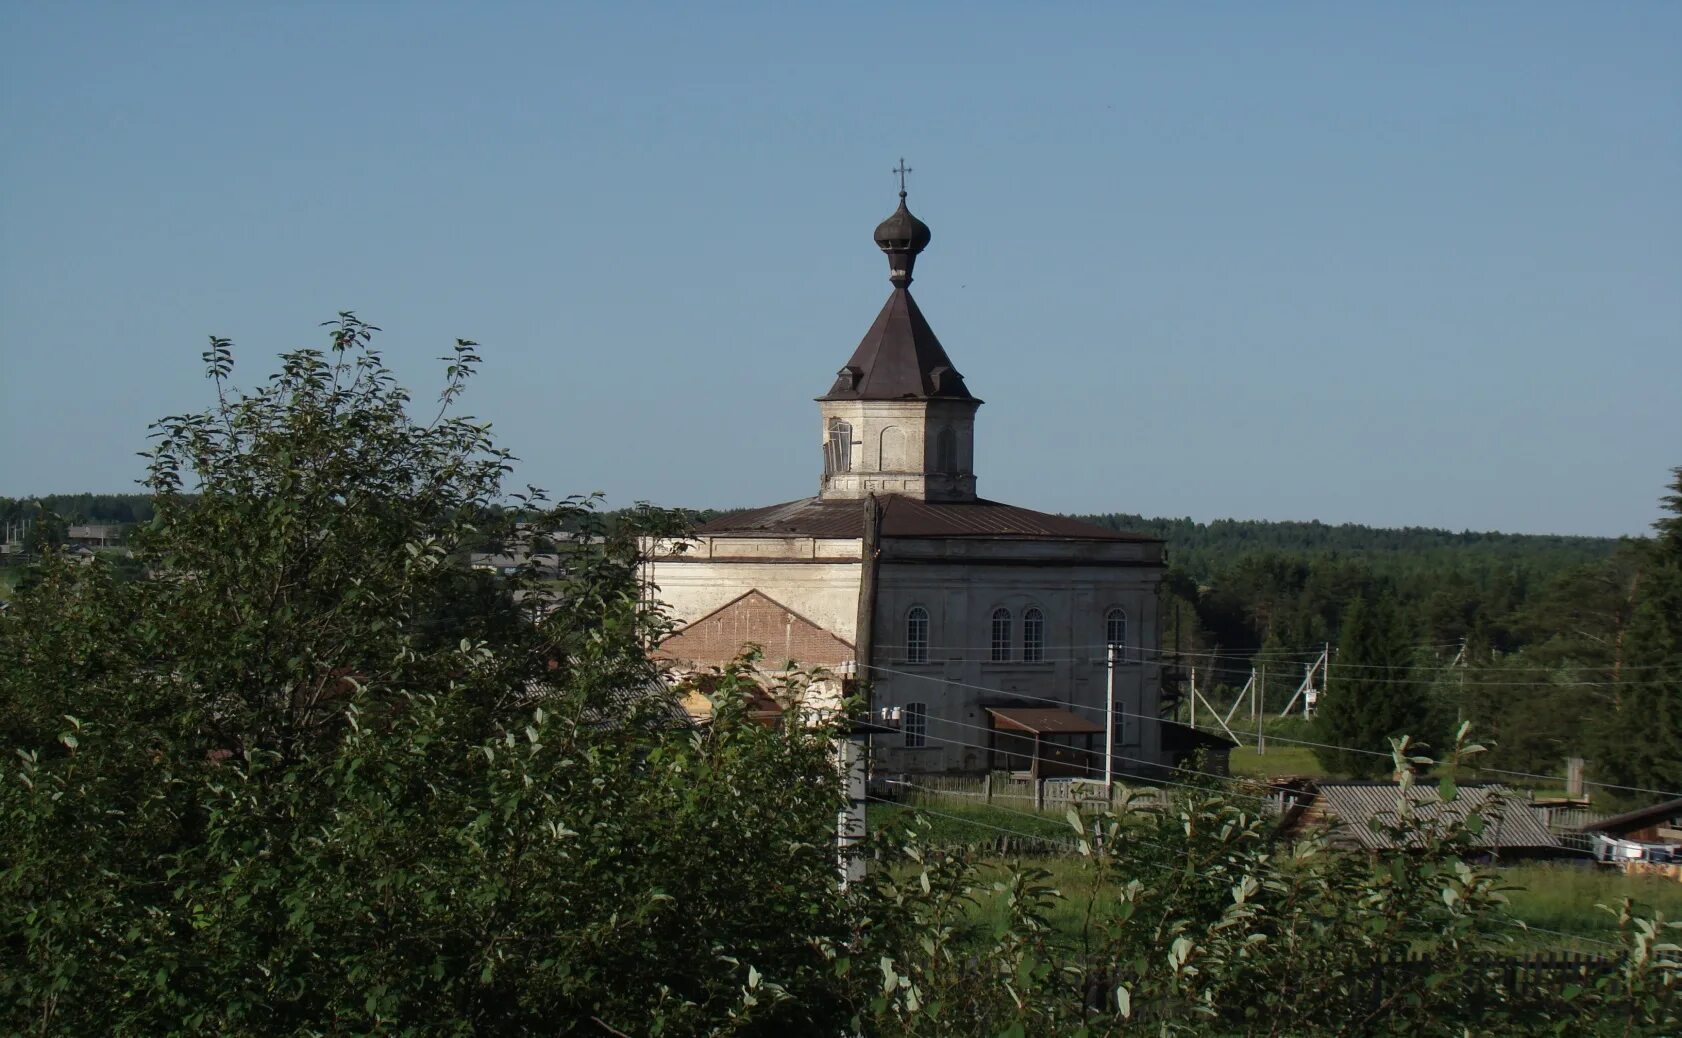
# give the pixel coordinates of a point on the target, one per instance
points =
(307, 773)
(1642, 744)
(1374, 694)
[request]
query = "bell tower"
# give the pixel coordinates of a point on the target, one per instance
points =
(899, 419)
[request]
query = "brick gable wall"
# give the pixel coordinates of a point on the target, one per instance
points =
(755, 618)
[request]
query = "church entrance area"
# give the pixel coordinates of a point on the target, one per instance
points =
(1044, 742)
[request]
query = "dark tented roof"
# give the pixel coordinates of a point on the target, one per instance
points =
(899, 359)
(909, 517)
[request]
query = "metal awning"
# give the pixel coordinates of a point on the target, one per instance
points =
(1042, 721)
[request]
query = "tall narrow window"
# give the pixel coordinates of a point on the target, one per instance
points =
(838, 449)
(946, 452)
(917, 635)
(915, 724)
(1115, 632)
(1033, 636)
(1001, 635)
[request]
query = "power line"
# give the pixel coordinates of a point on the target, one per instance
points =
(1275, 738)
(1094, 752)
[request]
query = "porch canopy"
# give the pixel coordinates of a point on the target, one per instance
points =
(1025, 735)
(1042, 721)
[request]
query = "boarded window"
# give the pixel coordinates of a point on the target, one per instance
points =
(946, 452)
(1115, 632)
(1001, 635)
(917, 635)
(1033, 636)
(916, 725)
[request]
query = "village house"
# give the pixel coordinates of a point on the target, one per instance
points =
(94, 535)
(996, 634)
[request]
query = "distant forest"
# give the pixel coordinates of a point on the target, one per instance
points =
(1528, 636)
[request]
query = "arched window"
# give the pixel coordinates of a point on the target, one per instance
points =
(1001, 635)
(946, 452)
(1115, 632)
(915, 724)
(838, 449)
(917, 635)
(1033, 636)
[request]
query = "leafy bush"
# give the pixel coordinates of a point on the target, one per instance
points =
(305, 774)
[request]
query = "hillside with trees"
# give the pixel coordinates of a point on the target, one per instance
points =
(299, 772)
(1544, 641)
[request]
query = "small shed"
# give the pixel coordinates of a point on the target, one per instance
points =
(1181, 743)
(1648, 835)
(1046, 742)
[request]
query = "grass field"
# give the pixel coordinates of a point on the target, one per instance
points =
(1554, 897)
(1560, 897)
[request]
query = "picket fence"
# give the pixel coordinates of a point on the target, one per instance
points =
(1054, 796)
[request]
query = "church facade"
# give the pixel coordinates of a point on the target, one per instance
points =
(995, 633)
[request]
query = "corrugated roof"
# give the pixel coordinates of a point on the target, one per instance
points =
(909, 517)
(1042, 720)
(1508, 820)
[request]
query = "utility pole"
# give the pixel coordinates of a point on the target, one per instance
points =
(1109, 722)
(1194, 697)
(1260, 706)
(852, 750)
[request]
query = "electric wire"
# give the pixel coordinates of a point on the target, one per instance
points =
(1225, 791)
(1274, 738)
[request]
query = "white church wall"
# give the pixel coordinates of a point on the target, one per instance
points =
(824, 591)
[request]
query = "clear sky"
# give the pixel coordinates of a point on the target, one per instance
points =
(1396, 264)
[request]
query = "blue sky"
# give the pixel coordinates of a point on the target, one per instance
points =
(1414, 264)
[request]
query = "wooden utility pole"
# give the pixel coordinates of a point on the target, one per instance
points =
(854, 750)
(1109, 720)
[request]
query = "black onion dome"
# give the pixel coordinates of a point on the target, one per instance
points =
(902, 232)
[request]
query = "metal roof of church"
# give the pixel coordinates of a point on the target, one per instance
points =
(909, 517)
(899, 359)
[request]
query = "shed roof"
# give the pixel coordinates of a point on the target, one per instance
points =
(1351, 806)
(904, 516)
(1042, 720)
(1640, 818)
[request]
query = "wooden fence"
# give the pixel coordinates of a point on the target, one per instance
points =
(1533, 984)
(1054, 796)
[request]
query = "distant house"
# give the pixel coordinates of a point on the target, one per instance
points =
(1647, 836)
(547, 564)
(1347, 810)
(94, 535)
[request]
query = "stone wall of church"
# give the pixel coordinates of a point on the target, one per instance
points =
(895, 449)
(814, 577)
(958, 678)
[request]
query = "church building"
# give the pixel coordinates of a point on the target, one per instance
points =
(995, 630)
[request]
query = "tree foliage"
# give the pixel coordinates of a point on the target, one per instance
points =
(303, 773)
